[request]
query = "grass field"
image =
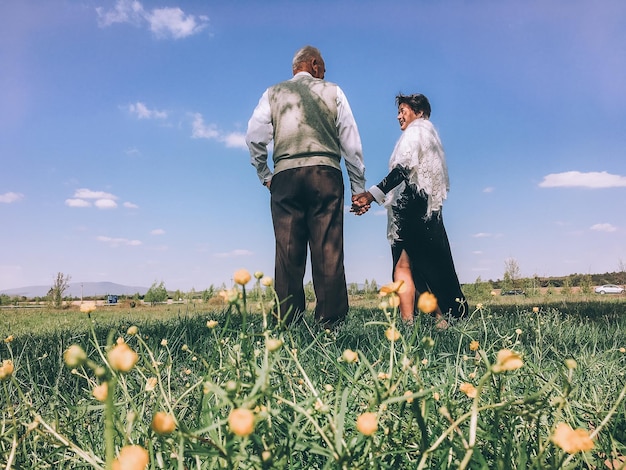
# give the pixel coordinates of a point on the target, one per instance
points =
(520, 383)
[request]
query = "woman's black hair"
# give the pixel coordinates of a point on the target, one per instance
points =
(416, 102)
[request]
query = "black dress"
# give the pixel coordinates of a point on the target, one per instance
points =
(426, 244)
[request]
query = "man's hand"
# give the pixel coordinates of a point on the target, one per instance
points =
(361, 203)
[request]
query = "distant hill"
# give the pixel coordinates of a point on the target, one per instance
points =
(76, 289)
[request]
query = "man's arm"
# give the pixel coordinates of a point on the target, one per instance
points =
(259, 135)
(350, 142)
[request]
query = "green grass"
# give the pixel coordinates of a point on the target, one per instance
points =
(306, 398)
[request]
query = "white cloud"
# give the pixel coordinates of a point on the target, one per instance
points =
(603, 228)
(157, 231)
(142, 112)
(482, 235)
(233, 254)
(488, 189)
(130, 205)
(577, 179)
(105, 204)
(102, 200)
(173, 22)
(10, 197)
(132, 152)
(200, 130)
(125, 11)
(77, 203)
(235, 140)
(84, 193)
(163, 22)
(115, 242)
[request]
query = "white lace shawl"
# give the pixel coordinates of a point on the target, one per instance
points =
(419, 149)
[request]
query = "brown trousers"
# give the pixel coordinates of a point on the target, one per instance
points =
(307, 210)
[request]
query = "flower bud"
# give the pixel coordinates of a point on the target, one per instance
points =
(241, 422)
(74, 356)
(122, 358)
(163, 423)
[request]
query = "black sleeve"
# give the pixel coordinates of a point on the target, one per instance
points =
(393, 179)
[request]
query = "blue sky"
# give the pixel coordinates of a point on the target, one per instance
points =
(122, 131)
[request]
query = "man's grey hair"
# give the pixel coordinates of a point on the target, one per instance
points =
(304, 55)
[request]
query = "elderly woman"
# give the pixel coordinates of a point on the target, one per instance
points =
(413, 193)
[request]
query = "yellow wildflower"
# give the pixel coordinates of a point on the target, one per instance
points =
(394, 287)
(163, 423)
(474, 345)
(151, 384)
(392, 334)
(122, 357)
(427, 302)
(274, 344)
(88, 307)
(100, 392)
(535, 309)
(468, 389)
(350, 356)
(570, 440)
(507, 360)
(9, 339)
(242, 277)
(367, 423)
(241, 422)
(409, 398)
(258, 275)
(132, 457)
(211, 324)
(230, 295)
(74, 356)
(6, 369)
(267, 281)
(132, 330)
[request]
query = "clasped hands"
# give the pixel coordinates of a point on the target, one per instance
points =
(361, 203)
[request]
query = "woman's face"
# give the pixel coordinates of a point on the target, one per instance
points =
(406, 115)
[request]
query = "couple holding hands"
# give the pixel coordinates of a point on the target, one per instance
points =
(311, 125)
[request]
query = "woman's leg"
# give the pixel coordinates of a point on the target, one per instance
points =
(402, 272)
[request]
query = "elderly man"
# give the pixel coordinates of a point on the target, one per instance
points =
(312, 126)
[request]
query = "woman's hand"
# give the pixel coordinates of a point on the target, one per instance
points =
(361, 203)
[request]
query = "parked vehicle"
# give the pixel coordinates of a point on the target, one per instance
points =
(513, 292)
(609, 289)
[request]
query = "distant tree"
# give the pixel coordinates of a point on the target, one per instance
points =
(566, 289)
(208, 293)
(353, 288)
(511, 274)
(621, 274)
(5, 299)
(156, 294)
(479, 290)
(60, 285)
(586, 284)
(178, 295)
